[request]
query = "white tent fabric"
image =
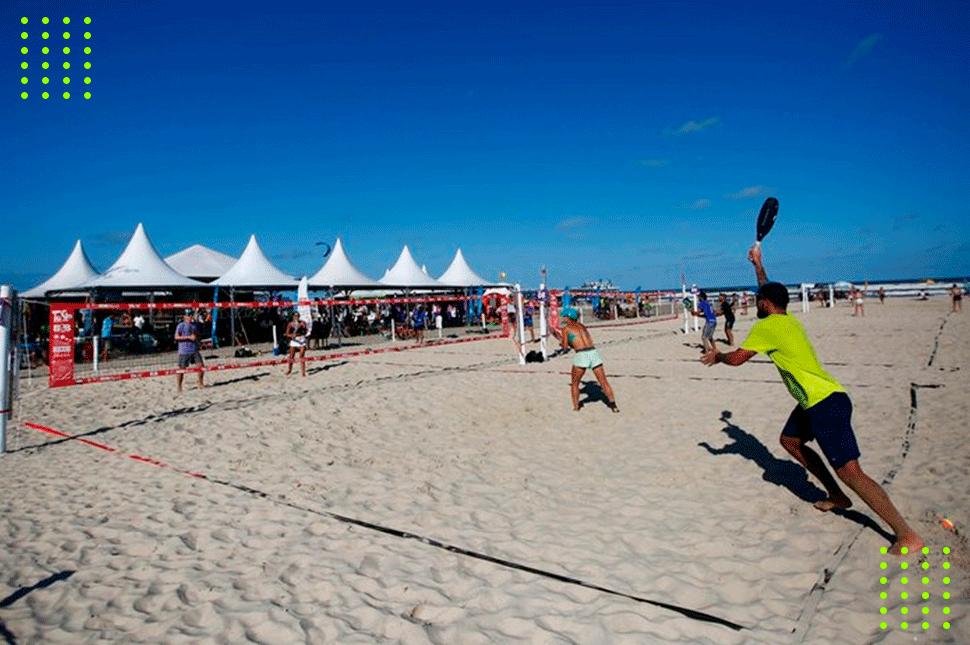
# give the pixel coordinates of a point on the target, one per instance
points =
(76, 270)
(200, 262)
(303, 295)
(407, 274)
(140, 266)
(253, 270)
(459, 274)
(338, 272)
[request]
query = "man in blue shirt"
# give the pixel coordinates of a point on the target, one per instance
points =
(705, 309)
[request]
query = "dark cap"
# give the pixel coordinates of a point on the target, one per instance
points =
(774, 292)
(703, 295)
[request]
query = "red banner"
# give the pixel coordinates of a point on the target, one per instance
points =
(61, 345)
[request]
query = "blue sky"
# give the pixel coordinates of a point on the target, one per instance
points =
(625, 141)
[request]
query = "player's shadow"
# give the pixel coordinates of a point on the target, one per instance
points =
(591, 391)
(782, 472)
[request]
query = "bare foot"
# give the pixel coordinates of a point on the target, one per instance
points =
(826, 505)
(911, 542)
(612, 406)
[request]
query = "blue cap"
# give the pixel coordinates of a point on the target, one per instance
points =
(569, 312)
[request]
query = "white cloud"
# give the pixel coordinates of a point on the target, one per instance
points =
(700, 204)
(751, 191)
(863, 48)
(695, 126)
(574, 222)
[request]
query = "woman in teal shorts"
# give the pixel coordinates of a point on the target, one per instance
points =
(575, 335)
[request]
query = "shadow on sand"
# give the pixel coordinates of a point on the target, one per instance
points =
(782, 472)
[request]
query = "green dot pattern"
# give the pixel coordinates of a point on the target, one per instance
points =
(46, 64)
(924, 622)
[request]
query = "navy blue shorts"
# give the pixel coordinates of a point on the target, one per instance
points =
(830, 423)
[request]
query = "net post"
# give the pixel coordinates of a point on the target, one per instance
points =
(8, 298)
(519, 323)
(543, 326)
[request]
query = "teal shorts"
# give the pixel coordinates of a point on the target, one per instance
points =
(587, 358)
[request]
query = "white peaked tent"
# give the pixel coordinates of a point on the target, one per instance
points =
(140, 266)
(77, 270)
(253, 270)
(406, 274)
(459, 274)
(339, 273)
(200, 262)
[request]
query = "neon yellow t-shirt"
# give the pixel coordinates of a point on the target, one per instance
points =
(783, 339)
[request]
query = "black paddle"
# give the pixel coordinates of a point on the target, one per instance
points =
(766, 218)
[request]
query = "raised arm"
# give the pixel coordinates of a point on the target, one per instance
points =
(754, 254)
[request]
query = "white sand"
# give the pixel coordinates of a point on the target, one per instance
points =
(461, 445)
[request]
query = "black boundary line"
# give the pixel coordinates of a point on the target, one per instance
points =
(280, 500)
(690, 613)
(803, 622)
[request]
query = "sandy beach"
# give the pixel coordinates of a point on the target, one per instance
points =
(448, 495)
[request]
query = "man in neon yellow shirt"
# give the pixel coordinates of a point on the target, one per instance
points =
(824, 410)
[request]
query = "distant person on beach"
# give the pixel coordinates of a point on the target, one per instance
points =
(107, 329)
(705, 309)
(858, 302)
(727, 310)
(187, 337)
(824, 409)
(296, 332)
(882, 295)
(744, 303)
(956, 293)
(574, 335)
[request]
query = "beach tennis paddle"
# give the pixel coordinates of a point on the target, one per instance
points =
(766, 218)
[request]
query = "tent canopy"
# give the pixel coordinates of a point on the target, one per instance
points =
(75, 271)
(339, 273)
(459, 274)
(406, 274)
(140, 267)
(253, 270)
(200, 262)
